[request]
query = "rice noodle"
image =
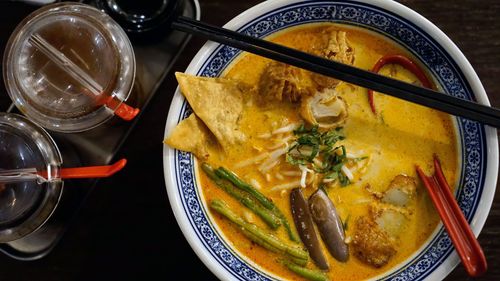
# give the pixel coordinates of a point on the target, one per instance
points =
(351, 155)
(303, 177)
(347, 172)
(268, 177)
(251, 161)
(255, 183)
(258, 148)
(265, 136)
(285, 129)
(281, 142)
(266, 166)
(276, 145)
(272, 160)
(286, 186)
(279, 176)
(291, 173)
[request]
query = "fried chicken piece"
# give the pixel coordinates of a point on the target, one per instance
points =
(371, 244)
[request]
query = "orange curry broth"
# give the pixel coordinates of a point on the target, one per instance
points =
(402, 135)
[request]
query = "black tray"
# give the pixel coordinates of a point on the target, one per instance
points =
(99, 146)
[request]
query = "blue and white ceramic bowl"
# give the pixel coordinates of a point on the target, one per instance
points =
(479, 144)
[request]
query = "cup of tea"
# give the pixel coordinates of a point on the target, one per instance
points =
(70, 67)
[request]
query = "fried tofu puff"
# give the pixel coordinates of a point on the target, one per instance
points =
(283, 82)
(376, 235)
(372, 245)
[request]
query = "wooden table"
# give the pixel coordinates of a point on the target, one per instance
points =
(126, 230)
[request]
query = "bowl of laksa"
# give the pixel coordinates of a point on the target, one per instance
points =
(277, 173)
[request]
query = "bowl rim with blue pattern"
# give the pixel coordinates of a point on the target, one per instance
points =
(478, 143)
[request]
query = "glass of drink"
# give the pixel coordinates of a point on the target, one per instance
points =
(27, 205)
(70, 67)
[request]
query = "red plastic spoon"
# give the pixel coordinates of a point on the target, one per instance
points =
(456, 225)
(92, 171)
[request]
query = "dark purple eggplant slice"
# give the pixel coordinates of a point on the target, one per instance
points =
(305, 227)
(329, 224)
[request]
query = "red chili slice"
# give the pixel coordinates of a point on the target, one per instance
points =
(404, 62)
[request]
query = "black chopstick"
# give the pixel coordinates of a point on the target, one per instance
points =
(423, 96)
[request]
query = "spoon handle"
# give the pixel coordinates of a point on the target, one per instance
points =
(93, 171)
(456, 225)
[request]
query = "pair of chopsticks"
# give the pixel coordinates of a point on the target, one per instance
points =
(454, 221)
(426, 97)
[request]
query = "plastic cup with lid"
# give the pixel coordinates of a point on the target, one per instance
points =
(26, 205)
(70, 67)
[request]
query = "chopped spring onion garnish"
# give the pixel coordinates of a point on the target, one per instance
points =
(317, 152)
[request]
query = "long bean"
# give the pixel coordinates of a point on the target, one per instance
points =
(232, 177)
(221, 207)
(246, 199)
(269, 247)
(307, 273)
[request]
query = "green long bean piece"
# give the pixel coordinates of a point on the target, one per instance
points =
(246, 199)
(307, 273)
(232, 177)
(269, 247)
(221, 207)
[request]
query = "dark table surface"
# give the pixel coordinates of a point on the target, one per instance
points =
(126, 229)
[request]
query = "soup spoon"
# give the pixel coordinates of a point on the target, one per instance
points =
(32, 174)
(456, 225)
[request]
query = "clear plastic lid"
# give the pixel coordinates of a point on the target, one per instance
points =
(26, 205)
(69, 67)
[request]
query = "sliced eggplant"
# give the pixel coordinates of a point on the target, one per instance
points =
(329, 224)
(305, 226)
